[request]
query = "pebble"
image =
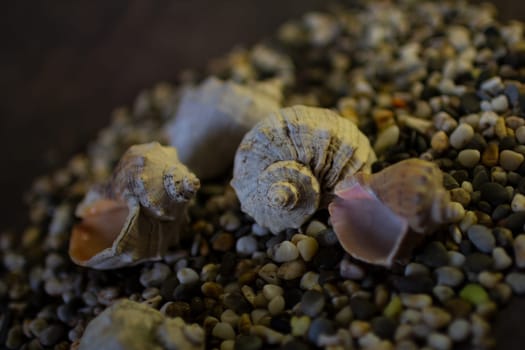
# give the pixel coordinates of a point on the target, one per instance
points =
(461, 136)
(246, 245)
(494, 193)
(260, 231)
(310, 280)
(51, 335)
(434, 255)
(320, 326)
(187, 276)
(456, 258)
(312, 303)
(443, 293)
(474, 293)
(307, 248)
(14, 337)
(435, 317)
(267, 334)
(518, 202)
(314, 228)
(510, 160)
(490, 156)
(269, 273)
(517, 282)
(416, 301)
(223, 330)
(284, 252)
(416, 269)
(229, 221)
(449, 276)
(439, 341)
(386, 138)
(223, 242)
(350, 270)
(520, 134)
(270, 291)
(469, 157)
(459, 330)
(482, 237)
(515, 222)
(344, 315)
(248, 342)
(489, 279)
(155, 276)
(519, 250)
(299, 325)
(276, 305)
(477, 262)
(440, 141)
(291, 270)
(501, 259)
(229, 316)
(384, 327)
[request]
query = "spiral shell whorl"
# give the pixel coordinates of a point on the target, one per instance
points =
(287, 165)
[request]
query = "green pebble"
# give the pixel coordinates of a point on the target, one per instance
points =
(474, 293)
(393, 308)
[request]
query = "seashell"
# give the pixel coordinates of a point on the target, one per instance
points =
(212, 119)
(138, 214)
(380, 217)
(130, 325)
(286, 166)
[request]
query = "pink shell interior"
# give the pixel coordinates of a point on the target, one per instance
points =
(367, 229)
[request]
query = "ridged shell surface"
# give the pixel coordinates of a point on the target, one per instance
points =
(212, 119)
(287, 166)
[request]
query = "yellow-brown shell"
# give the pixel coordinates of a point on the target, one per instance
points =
(288, 164)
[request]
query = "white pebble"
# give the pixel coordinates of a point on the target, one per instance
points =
(459, 330)
(487, 119)
(270, 291)
(492, 85)
(439, 341)
(187, 276)
(229, 316)
(416, 301)
(309, 280)
(499, 103)
(501, 259)
(314, 228)
(387, 138)
(246, 245)
(258, 230)
(461, 136)
(456, 258)
(518, 202)
(284, 252)
(223, 330)
(519, 250)
(350, 270)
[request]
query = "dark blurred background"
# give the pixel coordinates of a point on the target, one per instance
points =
(64, 65)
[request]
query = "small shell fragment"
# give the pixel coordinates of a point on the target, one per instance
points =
(138, 214)
(287, 166)
(212, 119)
(379, 218)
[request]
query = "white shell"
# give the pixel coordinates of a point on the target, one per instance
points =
(138, 214)
(287, 166)
(212, 119)
(131, 325)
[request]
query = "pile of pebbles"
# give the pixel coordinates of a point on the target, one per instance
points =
(436, 80)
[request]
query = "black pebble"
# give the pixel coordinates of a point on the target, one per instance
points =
(513, 94)
(460, 175)
(186, 291)
(513, 178)
(281, 323)
(479, 179)
(295, 344)
(248, 342)
(466, 247)
(51, 335)
(494, 193)
(328, 257)
(508, 142)
(434, 255)
(449, 182)
(362, 308)
(328, 276)
(521, 186)
(501, 212)
(413, 284)
(384, 327)
(327, 238)
(292, 296)
(237, 303)
(470, 102)
(515, 222)
(477, 262)
(477, 142)
(485, 207)
(320, 326)
(168, 287)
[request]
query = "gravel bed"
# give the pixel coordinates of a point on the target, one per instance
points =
(439, 81)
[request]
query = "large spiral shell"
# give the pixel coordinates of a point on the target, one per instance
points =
(138, 214)
(287, 166)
